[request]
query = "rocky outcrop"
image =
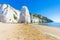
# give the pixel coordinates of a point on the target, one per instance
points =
(24, 16)
(8, 14)
(39, 19)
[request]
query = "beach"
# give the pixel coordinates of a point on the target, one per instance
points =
(28, 32)
(51, 31)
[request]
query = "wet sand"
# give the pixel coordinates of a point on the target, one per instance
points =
(22, 32)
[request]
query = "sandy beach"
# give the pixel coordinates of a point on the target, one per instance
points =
(51, 31)
(27, 32)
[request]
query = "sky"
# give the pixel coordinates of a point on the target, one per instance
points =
(47, 8)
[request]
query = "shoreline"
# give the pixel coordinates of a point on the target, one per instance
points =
(48, 30)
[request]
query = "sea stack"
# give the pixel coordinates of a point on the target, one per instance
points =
(24, 16)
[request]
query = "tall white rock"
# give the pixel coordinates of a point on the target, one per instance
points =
(8, 14)
(24, 16)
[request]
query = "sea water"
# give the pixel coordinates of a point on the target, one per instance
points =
(52, 24)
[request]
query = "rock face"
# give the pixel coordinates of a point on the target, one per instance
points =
(8, 14)
(24, 16)
(37, 19)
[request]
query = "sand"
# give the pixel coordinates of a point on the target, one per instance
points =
(22, 32)
(51, 31)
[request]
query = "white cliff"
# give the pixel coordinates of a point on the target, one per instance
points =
(24, 16)
(8, 14)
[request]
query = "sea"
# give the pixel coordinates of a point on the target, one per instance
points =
(52, 24)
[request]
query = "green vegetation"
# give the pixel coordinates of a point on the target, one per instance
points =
(42, 18)
(15, 17)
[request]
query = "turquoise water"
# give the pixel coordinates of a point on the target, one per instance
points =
(52, 24)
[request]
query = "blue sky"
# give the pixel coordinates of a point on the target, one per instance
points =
(47, 8)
